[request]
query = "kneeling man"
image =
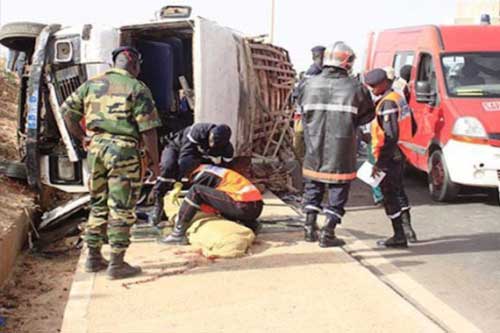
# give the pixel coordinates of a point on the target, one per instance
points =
(218, 190)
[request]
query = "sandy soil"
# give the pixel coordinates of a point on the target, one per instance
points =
(33, 300)
(14, 196)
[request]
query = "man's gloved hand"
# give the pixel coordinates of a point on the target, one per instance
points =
(174, 194)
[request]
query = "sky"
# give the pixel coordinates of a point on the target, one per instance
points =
(299, 25)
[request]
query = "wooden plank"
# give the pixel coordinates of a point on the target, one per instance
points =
(274, 69)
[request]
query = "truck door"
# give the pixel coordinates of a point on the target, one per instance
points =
(216, 75)
(427, 115)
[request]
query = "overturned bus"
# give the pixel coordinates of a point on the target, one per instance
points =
(217, 75)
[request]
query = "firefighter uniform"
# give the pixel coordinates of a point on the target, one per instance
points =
(334, 105)
(185, 152)
(393, 121)
(222, 191)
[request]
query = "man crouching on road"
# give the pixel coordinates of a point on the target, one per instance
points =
(392, 116)
(119, 112)
(334, 105)
(217, 190)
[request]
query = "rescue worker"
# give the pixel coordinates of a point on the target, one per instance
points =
(196, 144)
(219, 190)
(334, 105)
(120, 115)
(315, 69)
(393, 120)
(400, 84)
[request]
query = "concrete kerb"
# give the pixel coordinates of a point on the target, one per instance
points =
(75, 313)
(414, 293)
(12, 243)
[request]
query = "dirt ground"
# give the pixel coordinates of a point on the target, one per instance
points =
(33, 300)
(14, 196)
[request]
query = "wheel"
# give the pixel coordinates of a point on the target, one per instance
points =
(441, 187)
(20, 36)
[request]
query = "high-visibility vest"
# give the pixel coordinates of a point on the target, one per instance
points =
(404, 123)
(232, 183)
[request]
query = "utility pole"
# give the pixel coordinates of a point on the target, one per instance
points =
(273, 12)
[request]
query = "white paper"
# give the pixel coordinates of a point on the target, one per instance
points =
(365, 174)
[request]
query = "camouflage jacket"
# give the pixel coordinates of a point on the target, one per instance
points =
(114, 102)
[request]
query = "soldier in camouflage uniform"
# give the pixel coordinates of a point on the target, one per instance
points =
(119, 113)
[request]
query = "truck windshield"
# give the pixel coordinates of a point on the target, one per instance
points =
(472, 74)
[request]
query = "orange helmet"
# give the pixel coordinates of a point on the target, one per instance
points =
(339, 55)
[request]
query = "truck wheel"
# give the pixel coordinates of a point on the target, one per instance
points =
(441, 187)
(20, 36)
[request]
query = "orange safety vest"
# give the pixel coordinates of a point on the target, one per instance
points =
(232, 183)
(404, 123)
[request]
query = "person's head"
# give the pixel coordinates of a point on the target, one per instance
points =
(219, 136)
(317, 54)
(469, 69)
(127, 58)
(339, 55)
(405, 72)
(378, 81)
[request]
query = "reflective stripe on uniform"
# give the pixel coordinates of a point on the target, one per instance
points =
(328, 211)
(165, 180)
(386, 112)
(394, 216)
(330, 107)
(314, 208)
(328, 176)
(190, 202)
(190, 138)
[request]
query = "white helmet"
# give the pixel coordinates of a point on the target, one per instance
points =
(339, 55)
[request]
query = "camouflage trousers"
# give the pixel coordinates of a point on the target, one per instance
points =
(114, 184)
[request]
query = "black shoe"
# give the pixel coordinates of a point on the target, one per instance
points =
(311, 228)
(411, 236)
(328, 241)
(157, 215)
(395, 242)
(327, 236)
(174, 240)
(119, 269)
(95, 262)
(399, 238)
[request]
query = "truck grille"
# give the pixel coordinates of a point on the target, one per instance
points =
(67, 81)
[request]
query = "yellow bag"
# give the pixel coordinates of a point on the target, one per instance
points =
(219, 237)
(214, 235)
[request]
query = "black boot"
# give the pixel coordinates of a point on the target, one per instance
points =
(399, 238)
(311, 227)
(411, 236)
(327, 236)
(119, 269)
(95, 262)
(157, 215)
(177, 237)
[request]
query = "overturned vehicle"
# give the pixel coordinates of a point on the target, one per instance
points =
(197, 70)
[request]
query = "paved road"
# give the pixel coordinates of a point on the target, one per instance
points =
(458, 256)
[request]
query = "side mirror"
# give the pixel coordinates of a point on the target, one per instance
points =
(424, 92)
